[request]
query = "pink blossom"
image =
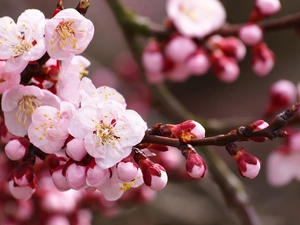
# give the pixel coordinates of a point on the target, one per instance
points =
(18, 104)
(95, 176)
(178, 73)
(189, 127)
(251, 34)
(67, 33)
(18, 192)
(22, 42)
(195, 165)
(69, 78)
(127, 169)
(57, 219)
(282, 166)
(76, 176)
(282, 94)
(180, 48)
(263, 59)
(60, 180)
(90, 95)
(196, 18)
(225, 68)
(233, 47)
(248, 165)
(152, 58)
(109, 131)
(75, 149)
(15, 149)
(114, 188)
(198, 64)
(7, 79)
(49, 128)
(268, 7)
(154, 175)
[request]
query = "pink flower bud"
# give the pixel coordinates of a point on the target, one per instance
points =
(18, 192)
(58, 219)
(15, 149)
(60, 180)
(263, 59)
(180, 48)
(75, 149)
(188, 130)
(127, 169)
(225, 68)
(268, 7)
(76, 176)
(260, 124)
(154, 175)
(251, 34)
(179, 73)
(95, 176)
(198, 64)
(233, 47)
(195, 165)
(248, 165)
(282, 94)
(153, 61)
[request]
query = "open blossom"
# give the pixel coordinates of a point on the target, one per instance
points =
(109, 131)
(68, 33)
(114, 188)
(90, 95)
(69, 77)
(22, 42)
(8, 79)
(18, 104)
(196, 18)
(49, 128)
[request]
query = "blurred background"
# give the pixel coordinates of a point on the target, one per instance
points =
(198, 202)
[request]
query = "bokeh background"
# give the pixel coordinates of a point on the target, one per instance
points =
(200, 202)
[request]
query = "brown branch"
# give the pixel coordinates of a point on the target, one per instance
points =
(240, 134)
(285, 22)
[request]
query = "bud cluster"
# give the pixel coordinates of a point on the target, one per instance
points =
(190, 48)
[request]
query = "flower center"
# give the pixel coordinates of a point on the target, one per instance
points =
(66, 33)
(189, 12)
(127, 185)
(27, 105)
(106, 133)
(22, 47)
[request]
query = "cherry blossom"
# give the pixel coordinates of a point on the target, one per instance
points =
(196, 18)
(7, 79)
(109, 131)
(67, 33)
(114, 188)
(49, 128)
(18, 104)
(22, 42)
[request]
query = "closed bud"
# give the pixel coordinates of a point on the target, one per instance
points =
(198, 64)
(188, 130)
(180, 48)
(233, 47)
(95, 176)
(76, 176)
(251, 34)
(152, 58)
(154, 175)
(15, 149)
(248, 165)
(268, 7)
(225, 68)
(127, 169)
(259, 125)
(263, 59)
(282, 94)
(195, 165)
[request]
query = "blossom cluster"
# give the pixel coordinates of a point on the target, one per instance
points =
(191, 48)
